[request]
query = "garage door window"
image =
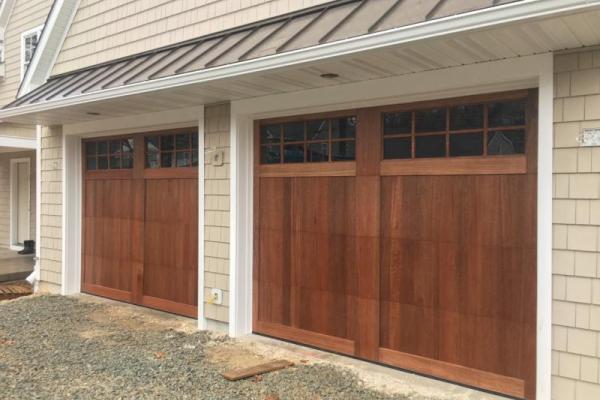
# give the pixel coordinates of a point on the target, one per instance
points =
(178, 150)
(464, 130)
(109, 154)
(308, 141)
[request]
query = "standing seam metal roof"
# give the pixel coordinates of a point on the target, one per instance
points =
(325, 23)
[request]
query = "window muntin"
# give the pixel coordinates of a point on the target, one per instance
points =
(174, 150)
(481, 129)
(315, 140)
(104, 154)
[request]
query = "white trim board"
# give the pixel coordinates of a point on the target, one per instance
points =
(18, 142)
(523, 72)
(443, 27)
(202, 323)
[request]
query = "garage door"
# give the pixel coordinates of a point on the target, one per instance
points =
(140, 239)
(404, 235)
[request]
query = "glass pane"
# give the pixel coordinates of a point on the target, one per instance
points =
(507, 113)
(152, 144)
(90, 148)
(342, 151)
(152, 160)
(270, 154)
(183, 159)
(182, 141)
(293, 132)
(166, 160)
(466, 117)
(166, 143)
(317, 130)
(466, 144)
(342, 128)
(90, 163)
(430, 120)
(102, 147)
(430, 146)
(397, 148)
(127, 146)
(293, 153)
(115, 162)
(195, 158)
(506, 142)
(317, 152)
(115, 147)
(194, 140)
(270, 134)
(394, 123)
(127, 161)
(103, 162)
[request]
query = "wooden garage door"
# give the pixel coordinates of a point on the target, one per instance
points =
(140, 239)
(404, 235)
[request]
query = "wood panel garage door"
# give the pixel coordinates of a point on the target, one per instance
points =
(404, 235)
(140, 239)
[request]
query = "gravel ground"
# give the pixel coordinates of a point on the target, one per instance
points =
(54, 347)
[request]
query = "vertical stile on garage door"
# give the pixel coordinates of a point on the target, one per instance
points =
(435, 253)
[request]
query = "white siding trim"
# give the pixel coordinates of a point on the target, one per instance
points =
(18, 142)
(38, 206)
(202, 323)
(523, 72)
(71, 215)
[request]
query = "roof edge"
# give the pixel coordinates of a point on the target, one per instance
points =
(470, 21)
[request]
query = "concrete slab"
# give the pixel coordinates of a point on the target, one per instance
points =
(13, 266)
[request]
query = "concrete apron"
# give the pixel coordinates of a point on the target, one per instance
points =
(14, 267)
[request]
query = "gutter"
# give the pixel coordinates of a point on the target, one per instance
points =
(471, 21)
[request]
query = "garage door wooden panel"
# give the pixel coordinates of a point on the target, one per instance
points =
(308, 260)
(423, 256)
(171, 237)
(107, 238)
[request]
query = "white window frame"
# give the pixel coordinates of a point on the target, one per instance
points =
(24, 35)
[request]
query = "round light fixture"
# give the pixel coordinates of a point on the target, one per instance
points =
(329, 75)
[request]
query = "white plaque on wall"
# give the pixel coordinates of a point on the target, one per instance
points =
(589, 137)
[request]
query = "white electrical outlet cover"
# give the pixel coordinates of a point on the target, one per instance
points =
(217, 295)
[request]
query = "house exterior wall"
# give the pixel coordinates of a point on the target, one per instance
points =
(576, 225)
(216, 210)
(5, 195)
(51, 209)
(26, 15)
(110, 29)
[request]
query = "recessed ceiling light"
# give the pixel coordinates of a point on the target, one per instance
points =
(92, 113)
(329, 75)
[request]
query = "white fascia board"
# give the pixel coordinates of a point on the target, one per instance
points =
(18, 142)
(471, 21)
(5, 11)
(50, 43)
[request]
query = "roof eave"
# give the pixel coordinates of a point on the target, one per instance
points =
(471, 21)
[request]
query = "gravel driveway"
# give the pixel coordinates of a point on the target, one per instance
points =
(55, 347)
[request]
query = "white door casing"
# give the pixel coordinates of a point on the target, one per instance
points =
(20, 202)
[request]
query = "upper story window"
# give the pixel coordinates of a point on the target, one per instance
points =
(29, 41)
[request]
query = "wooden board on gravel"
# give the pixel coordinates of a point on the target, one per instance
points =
(12, 290)
(242, 373)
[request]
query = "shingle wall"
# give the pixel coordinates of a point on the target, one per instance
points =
(216, 209)
(576, 224)
(51, 209)
(107, 29)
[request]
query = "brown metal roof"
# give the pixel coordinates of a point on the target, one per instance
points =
(326, 23)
